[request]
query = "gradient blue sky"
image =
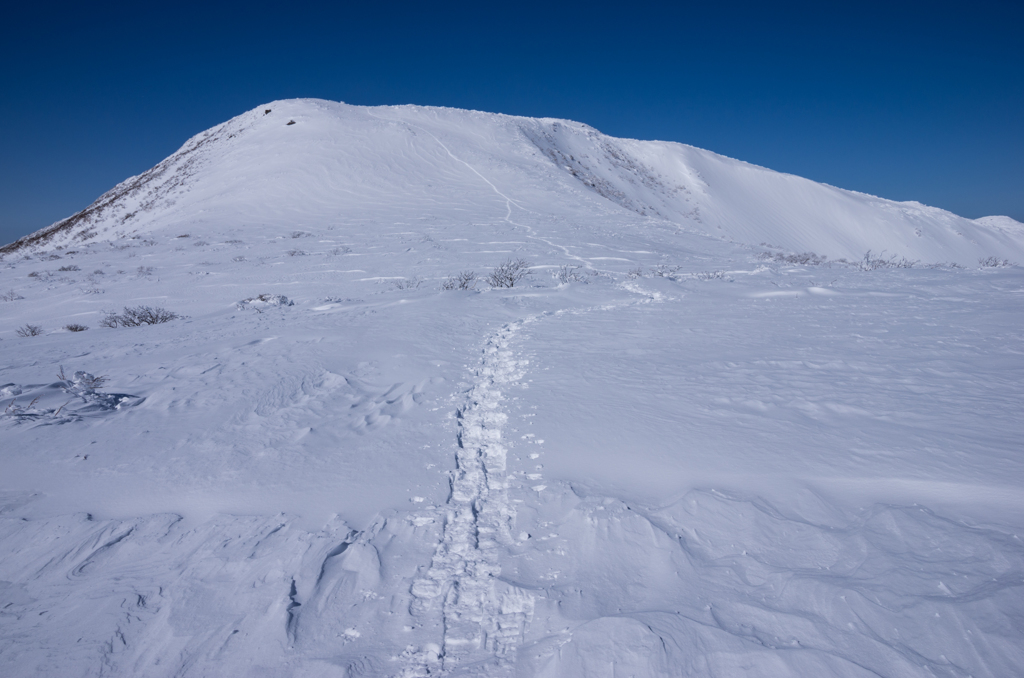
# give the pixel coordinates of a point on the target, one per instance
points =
(912, 101)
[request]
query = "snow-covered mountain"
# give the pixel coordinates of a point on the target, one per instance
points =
(691, 442)
(311, 161)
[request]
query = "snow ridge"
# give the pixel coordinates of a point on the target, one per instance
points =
(483, 619)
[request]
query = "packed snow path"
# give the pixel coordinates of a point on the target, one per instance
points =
(482, 617)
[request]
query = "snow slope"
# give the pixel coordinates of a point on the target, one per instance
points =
(314, 160)
(661, 454)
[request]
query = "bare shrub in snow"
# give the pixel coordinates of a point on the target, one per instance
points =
(10, 296)
(82, 381)
(406, 284)
(69, 267)
(82, 387)
(296, 253)
(873, 263)
(98, 271)
(464, 280)
(19, 411)
(29, 331)
(143, 271)
(75, 327)
(635, 273)
(802, 259)
(508, 273)
(301, 234)
(568, 273)
(710, 275)
(994, 262)
(665, 272)
(138, 316)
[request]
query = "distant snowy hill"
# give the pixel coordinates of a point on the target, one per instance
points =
(309, 161)
(250, 425)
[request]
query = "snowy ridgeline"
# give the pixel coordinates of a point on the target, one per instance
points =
(312, 163)
(256, 428)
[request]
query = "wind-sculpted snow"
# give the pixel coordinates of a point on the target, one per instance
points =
(767, 594)
(60, 402)
(658, 454)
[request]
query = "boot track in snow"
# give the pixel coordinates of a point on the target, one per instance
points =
(483, 619)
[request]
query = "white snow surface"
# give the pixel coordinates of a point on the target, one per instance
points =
(311, 162)
(682, 446)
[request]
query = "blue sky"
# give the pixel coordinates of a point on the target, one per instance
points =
(908, 101)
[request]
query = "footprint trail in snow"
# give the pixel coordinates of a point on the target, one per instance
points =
(483, 618)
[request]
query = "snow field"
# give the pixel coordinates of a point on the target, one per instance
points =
(697, 459)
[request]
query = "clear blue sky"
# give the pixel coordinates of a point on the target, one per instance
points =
(913, 101)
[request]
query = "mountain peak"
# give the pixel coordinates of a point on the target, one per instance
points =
(310, 161)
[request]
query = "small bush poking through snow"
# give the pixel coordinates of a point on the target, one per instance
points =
(803, 258)
(406, 284)
(82, 387)
(873, 263)
(994, 262)
(75, 327)
(29, 331)
(635, 273)
(710, 275)
(663, 271)
(10, 296)
(81, 382)
(69, 267)
(138, 316)
(464, 280)
(508, 273)
(568, 273)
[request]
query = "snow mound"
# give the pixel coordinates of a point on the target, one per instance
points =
(264, 301)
